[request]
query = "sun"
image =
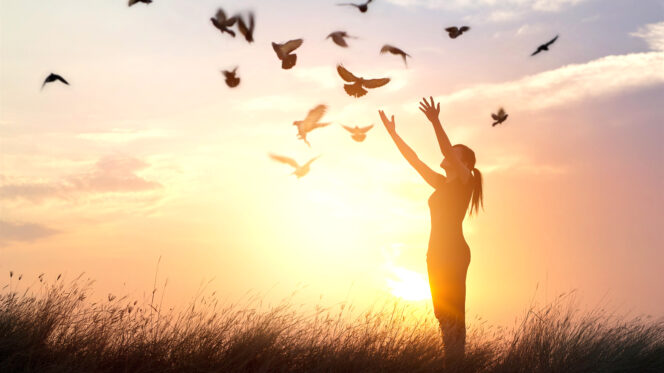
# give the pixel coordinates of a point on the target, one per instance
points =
(408, 285)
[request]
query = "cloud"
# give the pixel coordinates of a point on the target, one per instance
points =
(653, 34)
(119, 135)
(23, 232)
(568, 84)
(521, 164)
(537, 5)
(112, 174)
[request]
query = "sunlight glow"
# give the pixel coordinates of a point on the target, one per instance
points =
(408, 285)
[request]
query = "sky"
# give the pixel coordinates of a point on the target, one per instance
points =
(148, 165)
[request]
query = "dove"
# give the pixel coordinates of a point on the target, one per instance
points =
(454, 31)
(232, 80)
(357, 86)
(299, 170)
(545, 47)
(246, 30)
(52, 78)
(394, 50)
(285, 52)
(358, 133)
(361, 7)
(310, 123)
(221, 22)
(339, 38)
(132, 2)
(499, 117)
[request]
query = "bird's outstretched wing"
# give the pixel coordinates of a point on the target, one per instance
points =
(311, 161)
(388, 49)
(552, 41)
(291, 45)
(315, 114)
(286, 160)
(350, 4)
(346, 75)
(349, 129)
(537, 51)
(494, 116)
(58, 77)
(375, 83)
(365, 129)
(453, 29)
(246, 31)
(464, 28)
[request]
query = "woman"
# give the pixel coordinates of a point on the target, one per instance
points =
(448, 256)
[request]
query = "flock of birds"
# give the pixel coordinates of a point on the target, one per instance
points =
(353, 85)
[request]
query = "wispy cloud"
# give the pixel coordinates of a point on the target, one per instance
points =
(119, 135)
(23, 232)
(112, 174)
(571, 83)
(538, 5)
(522, 165)
(653, 34)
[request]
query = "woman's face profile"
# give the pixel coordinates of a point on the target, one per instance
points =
(446, 163)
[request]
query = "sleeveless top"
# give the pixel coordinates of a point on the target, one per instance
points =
(448, 205)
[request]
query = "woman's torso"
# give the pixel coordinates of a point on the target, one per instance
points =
(448, 205)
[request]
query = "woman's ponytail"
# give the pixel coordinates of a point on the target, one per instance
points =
(477, 199)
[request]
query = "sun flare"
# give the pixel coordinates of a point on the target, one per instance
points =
(408, 285)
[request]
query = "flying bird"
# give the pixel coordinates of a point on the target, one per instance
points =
(499, 117)
(357, 86)
(454, 31)
(247, 29)
(222, 22)
(545, 47)
(339, 38)
(52, 78)
(361, 7)
(132, 2)
(358, 133)
(394, 50)
(285, 52)
(232, 80)
(311, 122)
(299, 170)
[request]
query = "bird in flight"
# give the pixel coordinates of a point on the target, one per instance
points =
(545, 47)
(454, 31)
(310, 123)
(299, 170)
(132, 2)
(356, 86)
(394, 50)
(339, 38)
(358, 133)
(285, 52)
(52, 78)
(222, 22)
(361, 7)
(232, 80)
(499, 117)
(247, 29)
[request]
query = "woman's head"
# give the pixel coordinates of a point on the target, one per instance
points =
(467, 157)
(464, 153)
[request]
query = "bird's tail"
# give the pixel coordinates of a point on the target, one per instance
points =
(289, 61)
(355, 89)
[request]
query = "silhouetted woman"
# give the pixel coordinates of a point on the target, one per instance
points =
(448, 256)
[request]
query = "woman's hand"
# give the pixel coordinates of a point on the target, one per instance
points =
(389, 124)
(430, 109)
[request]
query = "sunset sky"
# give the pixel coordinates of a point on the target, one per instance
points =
(149, 154)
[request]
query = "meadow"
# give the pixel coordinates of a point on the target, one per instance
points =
(56, 327)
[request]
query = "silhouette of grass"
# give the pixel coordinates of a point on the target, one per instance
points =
(55, 328)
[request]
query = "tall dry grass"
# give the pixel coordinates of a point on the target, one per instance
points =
(55, 328)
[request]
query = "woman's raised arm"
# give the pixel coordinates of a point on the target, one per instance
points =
(432, 111)
(430, 176)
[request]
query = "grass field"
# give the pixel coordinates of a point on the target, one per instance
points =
(56, 328)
